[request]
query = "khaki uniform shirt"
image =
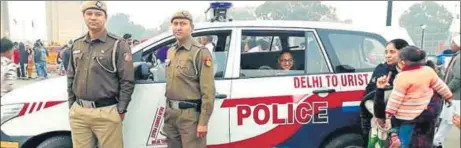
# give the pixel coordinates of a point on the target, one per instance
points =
(184, 82)
(88, 80)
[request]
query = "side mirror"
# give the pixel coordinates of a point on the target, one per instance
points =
(344, 69)
(142, 71)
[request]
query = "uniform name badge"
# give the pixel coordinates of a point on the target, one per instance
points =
(76, 51)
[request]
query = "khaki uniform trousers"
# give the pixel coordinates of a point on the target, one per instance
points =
(95, 125)
(180, 127)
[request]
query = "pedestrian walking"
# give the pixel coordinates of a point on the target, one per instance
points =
(66, 55)
(40, 59)
(452, 78)
(22, 59)
(190, 87)
(100, 81)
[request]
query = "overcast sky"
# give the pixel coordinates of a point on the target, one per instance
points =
(151, 13)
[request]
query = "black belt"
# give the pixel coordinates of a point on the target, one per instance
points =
(96, 104)
(183, 104)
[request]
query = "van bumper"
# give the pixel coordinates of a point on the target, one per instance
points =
(12, 141)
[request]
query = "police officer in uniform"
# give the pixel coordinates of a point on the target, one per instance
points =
(190, 87)
(100, 82)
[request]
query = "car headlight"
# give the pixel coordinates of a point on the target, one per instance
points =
(10, 111)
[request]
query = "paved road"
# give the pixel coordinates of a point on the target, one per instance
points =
(453, 140)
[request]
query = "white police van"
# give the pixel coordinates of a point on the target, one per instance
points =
(313, 105)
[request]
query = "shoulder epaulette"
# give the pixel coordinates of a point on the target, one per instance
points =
(111, 35)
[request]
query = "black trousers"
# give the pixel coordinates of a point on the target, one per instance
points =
(22, 69)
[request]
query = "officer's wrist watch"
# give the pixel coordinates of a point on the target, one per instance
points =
(122, 111)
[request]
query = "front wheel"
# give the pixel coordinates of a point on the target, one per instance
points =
(61, 141)
(345, 140)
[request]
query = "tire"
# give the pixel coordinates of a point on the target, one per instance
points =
(61, 141)
(345, 140)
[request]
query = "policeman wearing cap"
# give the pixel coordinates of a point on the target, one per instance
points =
(190, 87)
(100, 82)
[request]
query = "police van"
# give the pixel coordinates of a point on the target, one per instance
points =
(315, 104)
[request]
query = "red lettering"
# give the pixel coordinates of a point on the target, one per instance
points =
(290, 114)
(275, 114)
(296, 82)
(328, 80)
(344, 80)
(242, 112)
(316, 82)
(304, 113)
(303, 82)
(365, 79)
(256, 112)
(360, 79)
(350, 80)
(334, 80)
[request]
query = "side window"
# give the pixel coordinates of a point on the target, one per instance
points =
(218, 45)
(261, 43)
(362, 51)
(217, 41)
(296, 43)
(262, 62)
(316, 62)
(374, 51)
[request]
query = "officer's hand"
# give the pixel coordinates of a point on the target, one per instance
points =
(122, 116)
(456, 120)
(201, 131)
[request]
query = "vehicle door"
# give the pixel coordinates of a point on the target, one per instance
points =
(271, 107)
(144, 121)
(354, 55)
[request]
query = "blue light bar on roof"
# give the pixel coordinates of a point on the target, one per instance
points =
(221, 5)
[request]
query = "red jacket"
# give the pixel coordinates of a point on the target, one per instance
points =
(16, 56)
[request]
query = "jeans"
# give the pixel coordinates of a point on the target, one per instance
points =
(41, 69)
(405, 132)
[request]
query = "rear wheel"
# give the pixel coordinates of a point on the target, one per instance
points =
(345, 140)
(61, 141)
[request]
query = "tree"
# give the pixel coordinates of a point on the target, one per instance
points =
(120, 24)
(296, 10)
(246, 13)
(436, 17)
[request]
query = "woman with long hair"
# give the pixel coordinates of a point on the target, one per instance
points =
(30, 61)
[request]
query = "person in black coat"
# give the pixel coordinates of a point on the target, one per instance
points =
(23, 56)
(390, 65)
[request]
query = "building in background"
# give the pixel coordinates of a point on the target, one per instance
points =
(4, 19)
(64, 21)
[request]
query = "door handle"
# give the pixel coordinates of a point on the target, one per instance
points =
(318, 91)
(220, 96)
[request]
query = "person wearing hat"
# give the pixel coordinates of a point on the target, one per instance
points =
(190, 87)
(100, 81)
(8, 68)
(452, 78)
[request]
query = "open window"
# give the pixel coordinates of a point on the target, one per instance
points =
(291, 58)
(359, 51)
(156, 55)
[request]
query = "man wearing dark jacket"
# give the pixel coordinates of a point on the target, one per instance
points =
(22, 60)
(66, 57)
